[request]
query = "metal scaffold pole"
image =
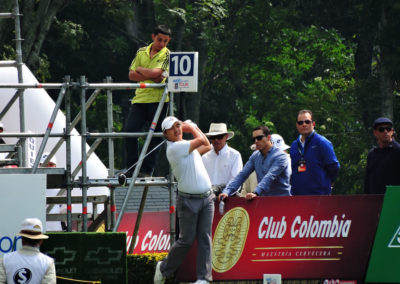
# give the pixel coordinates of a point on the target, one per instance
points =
(110, 129)
(83, 153)
(172, 188)
(68, 178)
(18, 50)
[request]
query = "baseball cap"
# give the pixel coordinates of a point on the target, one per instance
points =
(168, 122)
(278, 141)
(382, 120)
(32, 228)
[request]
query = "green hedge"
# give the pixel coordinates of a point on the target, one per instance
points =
(141, 267)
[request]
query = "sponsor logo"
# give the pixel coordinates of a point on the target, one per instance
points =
(62, 255)
(179, 83)
(312, 228)
(395, 241)
(22, 276)
(229, 239)
(8, 244)
(151, 242)
(103, 256)
(337, 227)
(337, 281)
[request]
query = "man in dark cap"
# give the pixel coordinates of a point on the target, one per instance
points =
(383, 161)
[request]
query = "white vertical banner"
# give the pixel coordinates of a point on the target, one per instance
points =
(23, 196)
(183, 71)
(31, 155)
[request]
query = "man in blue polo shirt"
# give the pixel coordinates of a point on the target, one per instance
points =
(314, 163)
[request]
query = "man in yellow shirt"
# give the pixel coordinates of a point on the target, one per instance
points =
(150, 65)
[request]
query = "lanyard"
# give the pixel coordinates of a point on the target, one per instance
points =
(299, 146)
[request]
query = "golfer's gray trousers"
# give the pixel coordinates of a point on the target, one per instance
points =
(195, 222)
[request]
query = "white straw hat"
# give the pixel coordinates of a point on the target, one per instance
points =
(218, 129)
(32, 228)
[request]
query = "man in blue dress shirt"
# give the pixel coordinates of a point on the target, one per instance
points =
(271, 166)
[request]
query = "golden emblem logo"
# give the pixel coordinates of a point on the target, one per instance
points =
(229, 239)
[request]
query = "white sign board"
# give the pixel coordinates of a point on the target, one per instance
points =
(21, 196)
(183, 71)
(272, 279)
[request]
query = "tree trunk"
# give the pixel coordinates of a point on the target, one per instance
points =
(143, 23)
(386, 82)
(177, 35)
(36, 22)
(194, 100)
(6, 25)
(37, 17)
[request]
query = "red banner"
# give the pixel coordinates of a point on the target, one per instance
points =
(302, 237)
(153, 235)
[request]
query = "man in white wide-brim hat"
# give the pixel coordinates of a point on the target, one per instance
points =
(222, 163)
(28, 264)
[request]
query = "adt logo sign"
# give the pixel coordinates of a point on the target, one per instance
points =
(395, 241)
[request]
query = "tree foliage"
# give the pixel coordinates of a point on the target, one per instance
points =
(261, 61)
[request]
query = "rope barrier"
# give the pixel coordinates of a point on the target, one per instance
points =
(77, 280)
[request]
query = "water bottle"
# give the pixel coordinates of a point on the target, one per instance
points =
(221, 207)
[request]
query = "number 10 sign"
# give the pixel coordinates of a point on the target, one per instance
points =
(183, 68)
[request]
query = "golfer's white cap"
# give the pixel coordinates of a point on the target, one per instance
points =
(168, 122)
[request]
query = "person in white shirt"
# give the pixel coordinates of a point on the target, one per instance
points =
(28, 264)
(195, 203)
(222, 163)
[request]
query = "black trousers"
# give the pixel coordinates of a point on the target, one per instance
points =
(139, 120)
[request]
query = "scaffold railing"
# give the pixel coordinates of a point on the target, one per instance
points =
(82, 86)
(83, 182)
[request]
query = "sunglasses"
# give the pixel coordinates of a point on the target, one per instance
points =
(258, 138)
(387, 128)
(218, 137)
(301, 122)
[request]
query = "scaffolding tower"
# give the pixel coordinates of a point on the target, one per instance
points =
(66, 178)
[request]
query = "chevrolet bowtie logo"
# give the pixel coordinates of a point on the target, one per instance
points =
(103, 255)
(61, 253)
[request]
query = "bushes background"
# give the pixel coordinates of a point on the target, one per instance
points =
(141, 267)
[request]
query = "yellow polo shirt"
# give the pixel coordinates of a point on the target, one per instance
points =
(142, 59)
